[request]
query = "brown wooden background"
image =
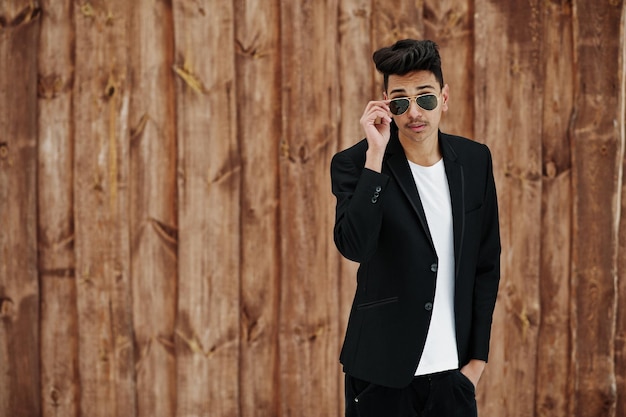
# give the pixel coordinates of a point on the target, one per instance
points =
(166, 216)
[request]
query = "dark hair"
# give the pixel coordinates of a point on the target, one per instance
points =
(408, 55)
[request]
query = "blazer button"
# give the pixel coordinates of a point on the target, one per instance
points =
(428, 306)
(433, 267)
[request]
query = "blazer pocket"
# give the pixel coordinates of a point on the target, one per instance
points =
(377, 303)
(474, 209)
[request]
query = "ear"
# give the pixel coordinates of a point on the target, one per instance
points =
(445, 96)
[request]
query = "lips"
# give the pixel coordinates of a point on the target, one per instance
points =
(417, 127)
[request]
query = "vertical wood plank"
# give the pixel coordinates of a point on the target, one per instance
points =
(554, 347)
(309, 283)
(597, 153)
(209, 181)
(357, 86)
(620, 336)
(55, 198)
(356, 72)
(508, 75)
(153, 210)
(19, 287)
(101, 99)
(258, 115)
(450, 24)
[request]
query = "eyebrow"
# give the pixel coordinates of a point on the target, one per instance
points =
(403, 91)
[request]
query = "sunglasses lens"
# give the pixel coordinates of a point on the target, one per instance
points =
(427, 102)
(399, 106)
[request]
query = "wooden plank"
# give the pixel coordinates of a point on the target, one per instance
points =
(620, 336)
(508, 72)
(392, 21)
(356, 73)
(450, 24)
(597, 153)
(257, 40)
(59, 327)
(309, 285)
(19, 288)
(101, 99)
(553, 350)
(209, 183)
(153, 212)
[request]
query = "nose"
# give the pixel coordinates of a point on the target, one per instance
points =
(415, 110)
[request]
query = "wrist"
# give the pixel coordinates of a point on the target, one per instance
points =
(477, 363)
(474, 370)
(374, 159)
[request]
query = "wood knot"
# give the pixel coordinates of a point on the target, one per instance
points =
(25, 16)
(55, 396)
(303, 154)
(4, 150)
(6, 307)
(111, 88)
(49, 86)
(604, 150)
(87, 10)
(551, 169)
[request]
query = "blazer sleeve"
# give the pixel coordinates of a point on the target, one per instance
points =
(487, 271)
(360, 194)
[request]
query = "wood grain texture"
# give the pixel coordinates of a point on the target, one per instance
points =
(19, 286)
(152, 206)
(308, 330)
(554, 344)
(620, 328)
(258, 51)
(394, 21)
(207, 335)
(597, 155)
(101, 175)
(507, 73)
(55, 198)
(166, 214)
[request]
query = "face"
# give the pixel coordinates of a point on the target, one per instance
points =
(417, 125)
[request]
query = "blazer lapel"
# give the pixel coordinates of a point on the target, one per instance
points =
(454, 172)
(399, 167)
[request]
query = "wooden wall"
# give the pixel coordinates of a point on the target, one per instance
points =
(166, 216)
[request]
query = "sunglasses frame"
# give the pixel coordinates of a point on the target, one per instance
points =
(411, 98)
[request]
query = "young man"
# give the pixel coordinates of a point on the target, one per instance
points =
(417, 209)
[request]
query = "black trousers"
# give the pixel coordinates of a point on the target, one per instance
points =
(444, 394)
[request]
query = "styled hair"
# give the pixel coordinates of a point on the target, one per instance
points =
(408, 55)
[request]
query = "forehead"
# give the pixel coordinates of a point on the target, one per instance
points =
(412, 83)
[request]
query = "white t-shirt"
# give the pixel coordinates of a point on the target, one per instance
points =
(440, 352)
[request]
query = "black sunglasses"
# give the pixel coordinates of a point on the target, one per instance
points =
(399, 106)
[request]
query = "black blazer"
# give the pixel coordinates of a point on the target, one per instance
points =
(380, 223)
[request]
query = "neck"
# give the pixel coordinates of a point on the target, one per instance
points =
(425, 153)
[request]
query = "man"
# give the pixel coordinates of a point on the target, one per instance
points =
(417, 209)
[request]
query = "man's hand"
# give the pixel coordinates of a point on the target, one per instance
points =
(376, 124)
(474, 370)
